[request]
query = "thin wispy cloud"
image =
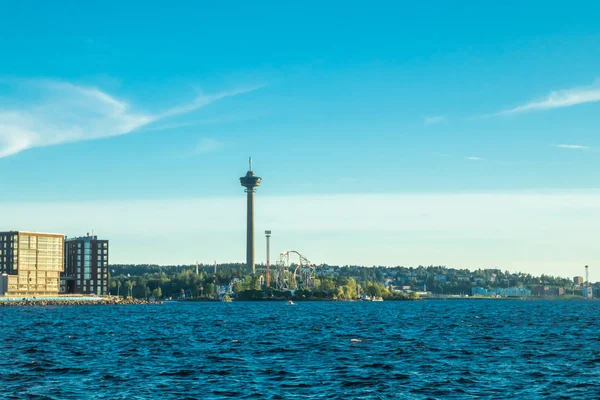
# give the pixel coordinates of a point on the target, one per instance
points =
(222, 119)
(202, 101)
(474, 158)
(558, 99)
(572, 146)
(208, 145)
(49, 112)
(436, 119)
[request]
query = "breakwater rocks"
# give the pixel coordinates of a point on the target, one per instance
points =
(74, 302)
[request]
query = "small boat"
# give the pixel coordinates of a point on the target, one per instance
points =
(290, 303)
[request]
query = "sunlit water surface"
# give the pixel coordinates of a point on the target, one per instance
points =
(427, 349)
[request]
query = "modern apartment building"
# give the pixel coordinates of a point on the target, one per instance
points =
(31, 263)
(86, 266)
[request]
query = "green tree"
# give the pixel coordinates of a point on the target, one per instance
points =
(130, 285)
(209, 289)
(350, 291)
(327, 285)
(238, 287)
(248, 282)
(157, 293)
(255, 283)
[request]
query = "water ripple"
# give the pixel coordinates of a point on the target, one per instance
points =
(407, 350)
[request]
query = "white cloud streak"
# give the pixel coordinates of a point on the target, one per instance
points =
(572, 147)
(474, 158)
(558, 99)
(52, 112)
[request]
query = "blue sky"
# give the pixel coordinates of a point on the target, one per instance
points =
(127, 107)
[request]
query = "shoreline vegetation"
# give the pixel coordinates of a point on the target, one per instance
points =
(152, 284)
(331, 283)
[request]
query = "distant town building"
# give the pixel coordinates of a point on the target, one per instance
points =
(548, 291)
(539, 290)
(479, 291)
(30, 263)
(513, 292)
(578, 280)
(86, 266)
(588, 292)
(555, 291)
(504, 292)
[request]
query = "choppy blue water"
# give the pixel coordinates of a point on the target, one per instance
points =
(427, 349)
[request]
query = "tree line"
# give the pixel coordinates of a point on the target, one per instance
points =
(141, 281)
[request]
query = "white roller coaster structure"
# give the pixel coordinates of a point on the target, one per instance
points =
(291, 276)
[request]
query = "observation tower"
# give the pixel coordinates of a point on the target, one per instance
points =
(250, 182)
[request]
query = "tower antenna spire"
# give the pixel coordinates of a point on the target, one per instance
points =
(250, 163)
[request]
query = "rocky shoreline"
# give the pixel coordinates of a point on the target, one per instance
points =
(83, 302)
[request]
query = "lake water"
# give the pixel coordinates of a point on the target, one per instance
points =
(427, 349)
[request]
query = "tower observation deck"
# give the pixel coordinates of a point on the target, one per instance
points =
(250, 182)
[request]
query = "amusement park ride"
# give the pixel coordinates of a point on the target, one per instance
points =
(293, 271)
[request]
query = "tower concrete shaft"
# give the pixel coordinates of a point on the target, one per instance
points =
(250, 231)
(250, 182)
